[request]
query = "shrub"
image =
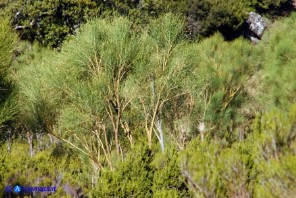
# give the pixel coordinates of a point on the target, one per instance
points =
(44, 169)
(279, 64)
(274, 147)
(143, 174)
(260, 166)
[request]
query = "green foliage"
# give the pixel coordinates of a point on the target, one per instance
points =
(49, 22)
(261, 166)
(279, 64)
(274, 150)
(44, 169)
(212, 169)
(7, 45)
(207, 16)
(132, 179)
(217, 82)
(114, 81)
(167, 180)
(5, 7)
(112, 88)
(267, 4)
(37, 103)
(143, 174)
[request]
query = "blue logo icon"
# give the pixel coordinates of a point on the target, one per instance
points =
(17, 189)
(8, 189)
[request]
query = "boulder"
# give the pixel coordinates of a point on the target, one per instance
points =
(256, 24)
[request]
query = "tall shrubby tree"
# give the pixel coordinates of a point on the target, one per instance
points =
(107, 56)
(7, 45)
(88, 95)
(37, 99)
(218, 85)
(159, 73)
(82, 88)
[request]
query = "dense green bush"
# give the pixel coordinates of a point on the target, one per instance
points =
(273, 151)
(279, 64)
(224, 67)
(56, 166)
(212, 169)
(132, 179)
(144, 174)
(49, 22)
(260, 166)
(167, 180)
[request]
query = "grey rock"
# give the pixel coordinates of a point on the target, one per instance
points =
(254, 40)
(256, 24)
(294, 4)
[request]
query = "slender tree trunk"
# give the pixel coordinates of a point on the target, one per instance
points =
(30, 142)
(9, 146)
(118, 105)
(202, 130)
(155, 121)
(95, 175)
(117, 142)
(50, 142)
(9, 140)
(160, 137)
(39, 140)
(127, 131)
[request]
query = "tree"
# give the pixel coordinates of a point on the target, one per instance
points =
(268, 4)
(38, 107)
(158, 74)
(49, 22)
(7, 45)
(207, 16)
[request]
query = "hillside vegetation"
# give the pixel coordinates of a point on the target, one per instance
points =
(50, 22)
(124, 109)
